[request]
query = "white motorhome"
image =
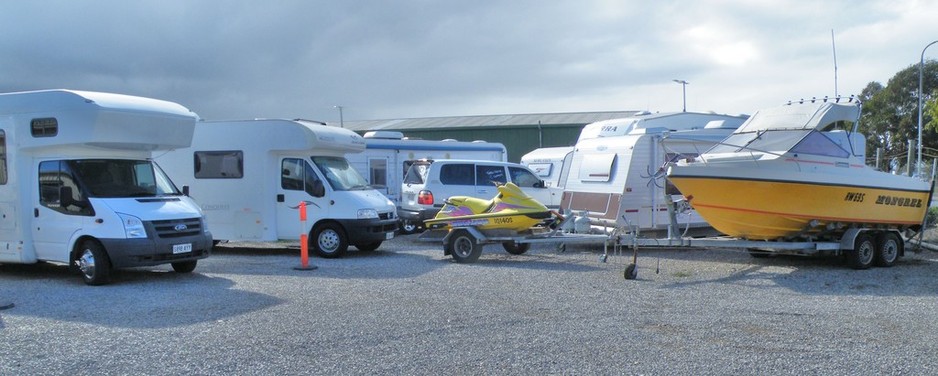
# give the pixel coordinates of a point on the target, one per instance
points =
(388, 155)
(250, 176)
(550, 164)
(616, 175)
(77, 185)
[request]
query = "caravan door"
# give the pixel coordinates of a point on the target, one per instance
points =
(298, 182)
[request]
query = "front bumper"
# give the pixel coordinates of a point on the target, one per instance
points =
(125, 253)
(366, 231)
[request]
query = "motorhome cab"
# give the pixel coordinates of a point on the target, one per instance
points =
(77, 185)
(250, 176)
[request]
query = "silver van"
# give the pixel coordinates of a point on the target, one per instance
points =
(428, 183)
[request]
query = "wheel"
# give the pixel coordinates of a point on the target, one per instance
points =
(758, 253)
(329, 241)
(93, 263)
(516, 248)
(184, 266)
(408, 227)
(463, 247)
(368, 247)
(631, 272)
(888, 248)
(861, 257)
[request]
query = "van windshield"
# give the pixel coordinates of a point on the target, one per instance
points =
(122, 178)
(340, 175)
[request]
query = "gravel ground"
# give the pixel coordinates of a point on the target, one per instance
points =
(407, 309)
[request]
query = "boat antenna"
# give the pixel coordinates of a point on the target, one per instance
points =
(834, 48)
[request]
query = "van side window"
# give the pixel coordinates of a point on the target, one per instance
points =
(220, 164)
(3, 158)
(457, 174)
(311, 180)
(522, 177)
(53, 176)
(489, 175)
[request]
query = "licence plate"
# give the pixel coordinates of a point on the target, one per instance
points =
(182, 248)
(389, 236)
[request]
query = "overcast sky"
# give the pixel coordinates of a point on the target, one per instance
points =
(405, 59)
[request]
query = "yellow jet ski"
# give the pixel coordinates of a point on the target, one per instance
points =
(510, 209)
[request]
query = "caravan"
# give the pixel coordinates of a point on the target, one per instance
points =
(388, 156)
(616, 176)
(250, 176)
(550, 164)
(77, 185)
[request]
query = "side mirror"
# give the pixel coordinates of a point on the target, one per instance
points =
(539, 184)
(185, 190)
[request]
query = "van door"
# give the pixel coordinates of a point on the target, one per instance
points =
(53, 224)
(299, 182)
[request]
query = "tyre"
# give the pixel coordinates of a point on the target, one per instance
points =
(184, 266)
(93, 263)
(329, 241)
(463, 247)
(408, 227)
(368, 247)
(516, 248)
(888, 249)
(861, 256)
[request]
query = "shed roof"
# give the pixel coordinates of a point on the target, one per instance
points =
(483, 121)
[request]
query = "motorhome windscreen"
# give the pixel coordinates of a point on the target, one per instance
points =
(121, 178)
(340, 174)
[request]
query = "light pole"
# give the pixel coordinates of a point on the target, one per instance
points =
(684, 91)
(341, 120)
(921, 65)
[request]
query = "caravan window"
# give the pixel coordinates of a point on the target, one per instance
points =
(3, 158)
(597, 167)
(541, 169)
(223, 164)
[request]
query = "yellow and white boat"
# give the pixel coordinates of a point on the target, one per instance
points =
(798, 170)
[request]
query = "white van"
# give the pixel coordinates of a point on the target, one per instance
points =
(428, 183)
(77, 185)
(388, 155)
(250, 176)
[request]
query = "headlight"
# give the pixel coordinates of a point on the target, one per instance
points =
(367, 214)
(133, 226)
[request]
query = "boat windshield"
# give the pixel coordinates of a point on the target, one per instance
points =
(341, 175)
(776, 142)
(122, 178)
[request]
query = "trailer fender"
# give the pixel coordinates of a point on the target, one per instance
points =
(847, 241)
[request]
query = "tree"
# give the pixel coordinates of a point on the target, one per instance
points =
(890, 113)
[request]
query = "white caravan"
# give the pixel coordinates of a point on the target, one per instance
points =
(77, 185)
(616, 175)
(550, 164)
(250, 176)
(388, 156)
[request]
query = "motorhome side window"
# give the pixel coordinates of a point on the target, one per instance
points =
(44, 127)
(53, 177)
(297, 175)
(490, 175)
(220, 164)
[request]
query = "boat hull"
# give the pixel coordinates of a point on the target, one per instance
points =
(773, 209)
